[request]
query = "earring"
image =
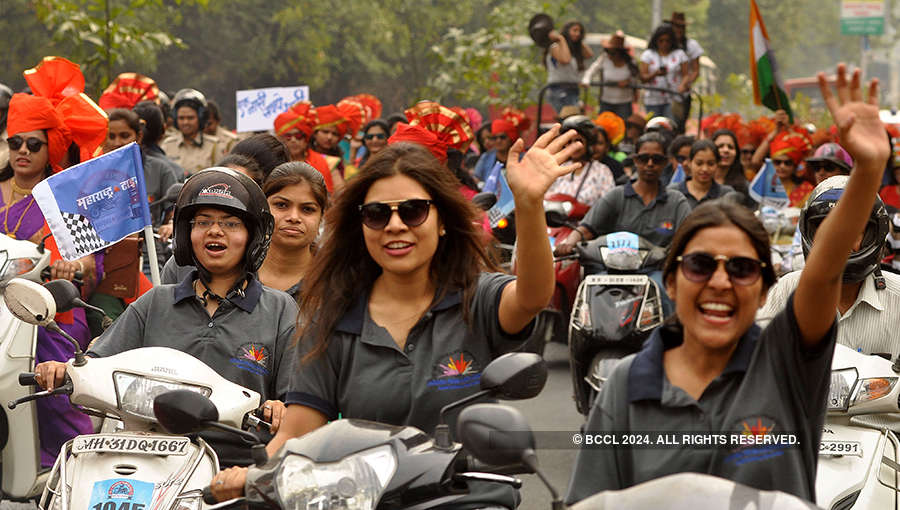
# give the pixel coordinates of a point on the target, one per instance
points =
(442, 232)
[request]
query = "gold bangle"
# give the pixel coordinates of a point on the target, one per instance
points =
(80, 266)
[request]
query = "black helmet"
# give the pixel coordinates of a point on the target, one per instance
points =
(584, 127)
(226, 189)
(863, 261)
(194, 99)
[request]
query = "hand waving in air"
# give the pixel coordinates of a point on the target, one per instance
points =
(542, 164)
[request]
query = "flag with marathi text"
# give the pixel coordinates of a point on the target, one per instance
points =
(95, 204)
(768, 88)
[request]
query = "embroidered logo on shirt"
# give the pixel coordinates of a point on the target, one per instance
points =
(252, 357)
(216, 190)
(455, 371)
(665, 227)
(752, 443)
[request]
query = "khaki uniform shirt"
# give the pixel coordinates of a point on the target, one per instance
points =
(227, 138)
(202, 152)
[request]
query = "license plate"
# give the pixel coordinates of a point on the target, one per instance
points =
(122, 443)
(836, 448)
(614, 279)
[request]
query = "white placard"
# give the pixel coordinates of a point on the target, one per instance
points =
(257, 108)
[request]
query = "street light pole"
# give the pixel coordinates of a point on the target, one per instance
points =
(656, 16)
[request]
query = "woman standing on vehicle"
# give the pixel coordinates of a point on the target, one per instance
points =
(297, 198)
(663, 65)
(405, 316)
(617, 72)
(564, 60)
(713, 370)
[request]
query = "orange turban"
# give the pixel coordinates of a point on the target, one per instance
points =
(371, 104)
(794, 143)
(511, 122)
(450, 127)
(419, 135)
(127, 90)
(328, 116)
(354, 112)
(298, 116)
(613, 125)
(55, 78)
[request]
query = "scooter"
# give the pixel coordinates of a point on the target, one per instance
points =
(858, 453)
(22, 476)
(136, 466)
(563, 213)
(362, 465)
(613, 312)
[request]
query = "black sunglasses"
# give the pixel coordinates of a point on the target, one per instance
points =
(818, 166)
(699, 267)
(33, 144)
(380, 136)
(748, 151)
(782, 162)
(413, 212)
(680, 158)
(645, 158)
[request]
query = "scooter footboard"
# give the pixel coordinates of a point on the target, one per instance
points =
(855, 468)
(99, 474)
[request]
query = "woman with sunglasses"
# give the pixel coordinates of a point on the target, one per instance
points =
(712, 371)
(398, 315)
(375, 135)
(787, 151)
(295, 128)
(643, 206)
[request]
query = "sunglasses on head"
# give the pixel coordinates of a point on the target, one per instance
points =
(33, 144)
(372, 136)
(699, 267)
(645, 158)
(412, 212)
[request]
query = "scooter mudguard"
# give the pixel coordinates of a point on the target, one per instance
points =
(614, 310)
(852, 480)
(105, 480)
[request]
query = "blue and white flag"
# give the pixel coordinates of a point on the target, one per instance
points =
(767, 189)
(678, 176)
(95, 204)
(505, 202)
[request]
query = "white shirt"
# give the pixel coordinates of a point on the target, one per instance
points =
(693, 49)
(609, 72)
(670, 80)
(593, 182)
(871, 325)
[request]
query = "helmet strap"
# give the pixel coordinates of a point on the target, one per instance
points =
(880, 284)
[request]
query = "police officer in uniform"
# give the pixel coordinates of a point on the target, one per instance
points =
(191, 148)
(214, 127)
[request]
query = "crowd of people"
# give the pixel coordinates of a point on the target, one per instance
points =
(347, 260)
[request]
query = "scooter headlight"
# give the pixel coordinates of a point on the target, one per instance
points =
(353, 483)
(135, 393)
(841, 388)
(187, 503)
(16, 267)
(874, 388)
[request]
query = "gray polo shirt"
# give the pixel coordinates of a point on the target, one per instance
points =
(247, 340)
(715, 191)
(771, 385)
(622, 209)
(364, 374)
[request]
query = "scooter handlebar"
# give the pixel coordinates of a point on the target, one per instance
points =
(27, 379)
(208, 497)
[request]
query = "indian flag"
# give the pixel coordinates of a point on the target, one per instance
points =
(768, 89)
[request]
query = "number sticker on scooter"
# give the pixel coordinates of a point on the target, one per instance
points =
(622, 242)
(132, 444)
(121, 494)
(616, 279)
(838, 448)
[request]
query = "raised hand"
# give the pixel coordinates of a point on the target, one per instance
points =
(861, 130)
(542, 164)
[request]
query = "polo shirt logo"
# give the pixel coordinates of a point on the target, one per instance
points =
(754, 447)
(665, 227)
(252, 357)
(455, 371)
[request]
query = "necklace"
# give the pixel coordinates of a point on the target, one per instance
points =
(17, 189)
(12, 233)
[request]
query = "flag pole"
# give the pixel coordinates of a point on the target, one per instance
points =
(777, 97)
(151, 253)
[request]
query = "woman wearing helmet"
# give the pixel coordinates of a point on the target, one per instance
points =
(220, 313)
(593, 179)
(869, 308)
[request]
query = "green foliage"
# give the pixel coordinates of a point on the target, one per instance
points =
(487, 65)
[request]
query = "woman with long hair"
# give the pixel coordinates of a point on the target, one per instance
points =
(297, 198)
(729, 171)
(663, 65)
(564, 61)
(402, 286)
(375, 135)
(618, 73)
(712, 370)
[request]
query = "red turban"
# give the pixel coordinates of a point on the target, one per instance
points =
(419, 135)
(794, 143)
(328, 116)
(448, 126)
(298, 116)
(371, 104)
(55, 78)
(127, 90)
(511, 122)
(354, 112)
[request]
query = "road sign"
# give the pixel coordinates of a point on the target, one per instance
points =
(862, 17)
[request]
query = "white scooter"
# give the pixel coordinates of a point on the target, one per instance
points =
(22, 477)
(858, 454)
(138, 466)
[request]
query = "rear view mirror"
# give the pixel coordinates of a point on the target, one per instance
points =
(184, 411)
(515, 376)
(495, 434)
(64, 294)
(29, 302)
(484, 200)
